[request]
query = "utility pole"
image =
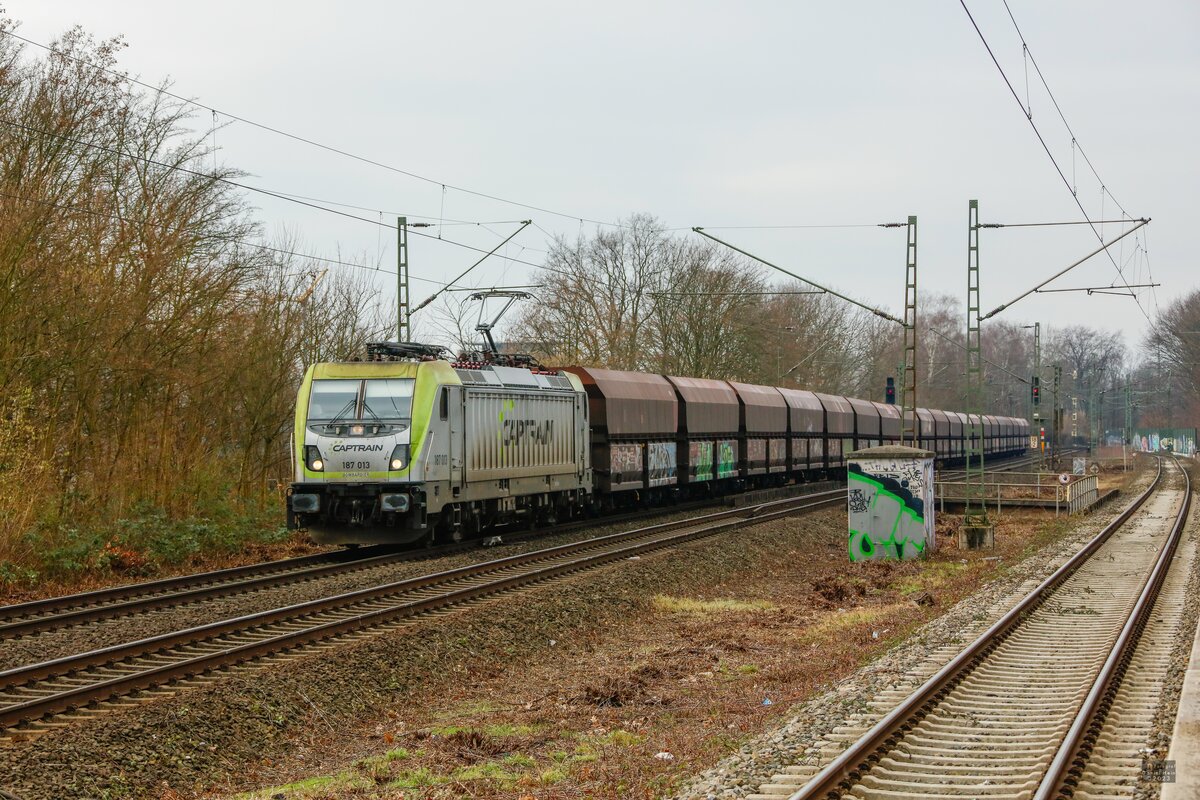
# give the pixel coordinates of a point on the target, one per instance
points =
(402, 314)
(908, 409)
(975, 519)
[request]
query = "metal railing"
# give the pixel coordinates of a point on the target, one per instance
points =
(1024, 488)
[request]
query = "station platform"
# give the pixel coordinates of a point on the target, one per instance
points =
(1185, 741)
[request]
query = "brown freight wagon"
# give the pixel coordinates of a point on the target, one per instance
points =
(709, 415)
(806, 426)
(634, 418)
(764, 430)
(839, 427)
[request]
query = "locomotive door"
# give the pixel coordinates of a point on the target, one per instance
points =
(454, 401)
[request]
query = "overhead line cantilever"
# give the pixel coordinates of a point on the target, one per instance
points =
(876, 311)
(1103, 247)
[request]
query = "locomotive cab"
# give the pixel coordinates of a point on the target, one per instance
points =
(356, 444)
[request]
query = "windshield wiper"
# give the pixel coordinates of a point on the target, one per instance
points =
(346, 409)
(374, 416)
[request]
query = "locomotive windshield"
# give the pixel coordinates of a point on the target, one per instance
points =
(333, 400)
(377, 399)
(388, 399)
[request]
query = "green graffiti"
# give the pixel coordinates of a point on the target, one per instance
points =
(726, 458)
(894, 533)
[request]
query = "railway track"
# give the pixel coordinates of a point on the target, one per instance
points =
(38, 697)
(34, 617)
(1006, 465)
(39, 615)
(1055, 699)
(43, 615)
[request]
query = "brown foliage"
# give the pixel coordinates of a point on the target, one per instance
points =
(150, 350)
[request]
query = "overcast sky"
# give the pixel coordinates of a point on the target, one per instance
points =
(710, 114)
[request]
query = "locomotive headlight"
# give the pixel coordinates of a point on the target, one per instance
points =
(313, 459)
(357, 430)
(399, 459)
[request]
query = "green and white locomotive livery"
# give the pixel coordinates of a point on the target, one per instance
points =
(404, 451)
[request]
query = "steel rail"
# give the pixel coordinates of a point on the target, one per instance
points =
(49, 605)
(42, 615)
(192, 592)
(843, 772)
(1006, 465)
(627, 544)
(1069, 761)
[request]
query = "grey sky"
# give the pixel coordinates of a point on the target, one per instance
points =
(706, 114)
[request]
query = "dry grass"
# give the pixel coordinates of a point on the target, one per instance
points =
(836, 623)
(690, 605)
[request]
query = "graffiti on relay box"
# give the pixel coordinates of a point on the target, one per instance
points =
(888, 514)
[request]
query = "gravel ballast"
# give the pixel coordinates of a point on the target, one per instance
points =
(308, 715)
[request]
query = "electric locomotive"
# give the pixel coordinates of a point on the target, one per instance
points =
(407, 447)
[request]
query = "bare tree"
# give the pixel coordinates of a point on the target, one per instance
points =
(1170, 379)
(151, 352)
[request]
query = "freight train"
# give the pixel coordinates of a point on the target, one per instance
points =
(410, 446)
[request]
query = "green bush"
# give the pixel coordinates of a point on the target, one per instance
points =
(143, 542)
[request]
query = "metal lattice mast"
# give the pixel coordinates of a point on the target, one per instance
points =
(1037, 387)
(1128, 437)
(402, 312)
(1057, 412)
(976, 506)
(908, 408)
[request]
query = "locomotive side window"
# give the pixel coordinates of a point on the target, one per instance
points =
(333, 399)
(388, 398)
(445, 404)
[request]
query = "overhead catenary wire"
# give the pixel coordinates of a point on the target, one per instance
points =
(776, 227)
(1124, 221)
(1098, 289)
(1029, 117)
(463, 274)
(1075, 145)
(737, 294)
(247, 187)
(304, 139)
(1103, 247)
(241, 242)
(876, 311)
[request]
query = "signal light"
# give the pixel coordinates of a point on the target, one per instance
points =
(889, 393)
